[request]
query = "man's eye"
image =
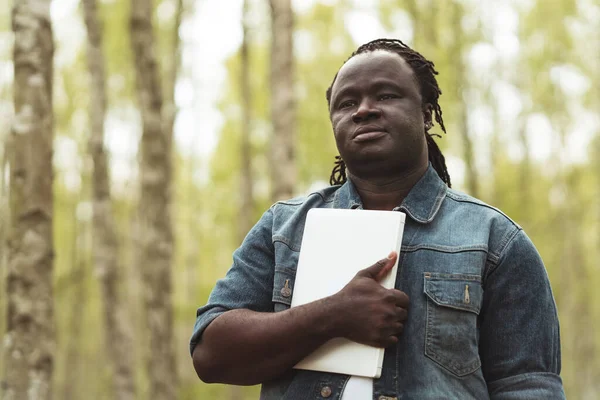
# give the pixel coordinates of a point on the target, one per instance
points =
(388, 96)
(347, 104)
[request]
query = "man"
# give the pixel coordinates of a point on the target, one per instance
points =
(472, 314)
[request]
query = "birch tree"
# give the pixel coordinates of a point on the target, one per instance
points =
(154, 207)
(462, 88)
(282, 153)
(172, 72)
(29, 339)
(105, 244)
(246, 184)
(77, 307)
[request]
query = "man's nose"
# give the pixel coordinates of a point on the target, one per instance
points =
(366, 111)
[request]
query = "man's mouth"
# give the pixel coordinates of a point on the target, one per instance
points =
(366, 133)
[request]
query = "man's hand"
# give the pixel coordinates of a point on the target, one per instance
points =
(244, 347)
(368, 312)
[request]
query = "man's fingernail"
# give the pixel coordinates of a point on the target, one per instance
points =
(391, 255)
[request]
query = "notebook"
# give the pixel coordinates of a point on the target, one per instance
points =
(336, 245)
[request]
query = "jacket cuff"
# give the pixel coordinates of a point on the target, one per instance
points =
(533, 385)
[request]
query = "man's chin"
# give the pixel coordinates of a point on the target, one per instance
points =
(381, 164)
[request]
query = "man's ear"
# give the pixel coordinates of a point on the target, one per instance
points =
(428, 114)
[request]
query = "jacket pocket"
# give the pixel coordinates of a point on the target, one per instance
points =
(451, 334)
(283, 288)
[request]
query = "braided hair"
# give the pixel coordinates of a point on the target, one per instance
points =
(430, 92)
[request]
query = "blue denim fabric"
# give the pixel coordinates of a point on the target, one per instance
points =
(482, 321)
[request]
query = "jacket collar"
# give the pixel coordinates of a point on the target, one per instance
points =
(422, 203)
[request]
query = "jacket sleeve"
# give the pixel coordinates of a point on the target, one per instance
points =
(248, 283)
(519, 332)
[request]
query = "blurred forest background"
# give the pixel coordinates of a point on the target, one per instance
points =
(168, 146)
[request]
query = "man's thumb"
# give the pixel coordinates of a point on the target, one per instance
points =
(378, 270)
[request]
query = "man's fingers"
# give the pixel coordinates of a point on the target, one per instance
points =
(401, 298)
(378, 270)
(390, 341)
(397, 328)
(401, 314)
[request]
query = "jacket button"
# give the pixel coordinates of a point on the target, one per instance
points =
(326, 391)
(286, 291)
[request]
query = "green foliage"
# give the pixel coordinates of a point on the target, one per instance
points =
(554, 199)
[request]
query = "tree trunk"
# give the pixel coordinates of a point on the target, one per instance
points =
(282, 157)
(172, 73)
(462, 109)
(4, 220)
(154, 207)
(246, 183)
(105, 246)
(412, 7)
(525, 181)
(28, 343)
(73, 365)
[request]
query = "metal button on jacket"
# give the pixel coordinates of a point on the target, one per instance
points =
(286, 291)
(326, 391)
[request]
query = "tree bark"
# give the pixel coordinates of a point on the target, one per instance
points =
(154, 207)
(525, 181)
(462, 109)
(246, 183)
(282, 154)
(73, 365)
(28, 343)
(172, 73)
(105, 244)
(4, 220)
(412, 6)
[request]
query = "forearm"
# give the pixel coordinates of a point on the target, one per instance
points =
(244, 347)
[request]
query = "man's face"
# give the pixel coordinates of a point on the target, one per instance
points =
(377, 115)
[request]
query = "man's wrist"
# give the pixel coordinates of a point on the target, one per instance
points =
(330, 317)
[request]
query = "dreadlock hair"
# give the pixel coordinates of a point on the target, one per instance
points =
(430, 92)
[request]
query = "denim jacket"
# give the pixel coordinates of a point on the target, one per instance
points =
(482, 321)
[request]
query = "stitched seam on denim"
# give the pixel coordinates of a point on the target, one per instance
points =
(440, 276)
(427, 325)
(525, 375)
(502, 253)
(278, 298)
(493, 258)
(298, 201)
(411, 239)
(452, 306)
(445, 249)
(432, 212)
(285, 270)
(489, 266)
(285, 240)
(437, 203)
(460, 199)
(452, 303)
(508, 237)
(282, 300)
(452, 366)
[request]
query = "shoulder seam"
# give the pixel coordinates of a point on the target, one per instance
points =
(301, 200)
(508, 239)
(452, 195)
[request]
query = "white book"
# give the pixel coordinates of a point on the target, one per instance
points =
(336, 245)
